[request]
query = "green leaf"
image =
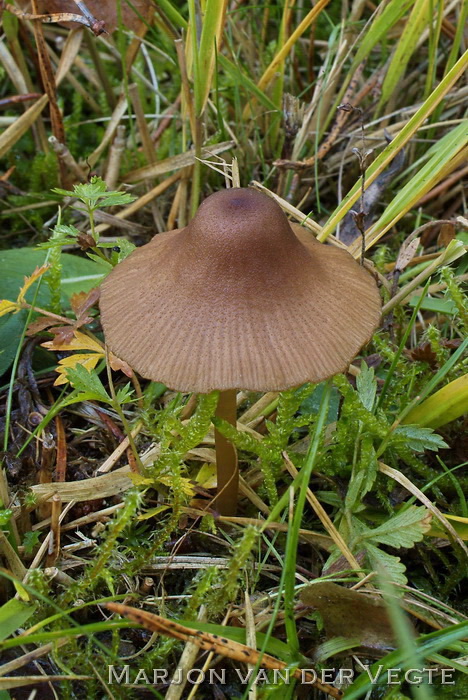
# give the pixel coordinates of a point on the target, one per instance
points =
(78, 275)
(334, 646)
(90, 191)
(125, 394)
(114, 199)
(392, 566)
(419, 439)
(88, 383)
(448, 148)
(240, 77)
(63, 234)
(125, 248)
(5, 516)
(366, 385)
(31, 540)
(311, 404)
(403, 530)
(65, 193)
(363, 479)
(94, 194)
(416, 187)
(13, 615)
(379, 29)
(104, 264)
(439, 306)
(212, 27)
(42, 637)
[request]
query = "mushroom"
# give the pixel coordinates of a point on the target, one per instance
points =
(238, 299)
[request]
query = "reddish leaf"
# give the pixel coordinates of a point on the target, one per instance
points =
(117, 364)
(424, 353)
(85, 241)
(82, 301)
(63, 334)
(40, 324)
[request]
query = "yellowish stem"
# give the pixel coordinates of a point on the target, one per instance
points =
(226, 457)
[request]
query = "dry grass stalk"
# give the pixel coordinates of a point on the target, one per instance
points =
(148, 146)
(13, 133)
(214, 643)
(175, 162)
(181, 562)
(207, 664)
(66, 158)
(186, 662)
(31, 656)
(10, 682)
(117, 114)
(43, 549)
(258, 409)
(407, 484)
(250, 637)
(104, 11)
(11, 558)
(116, 152)
(323, 541)
(107, 465)
(54, 539)
(88, 490)
(249, 493)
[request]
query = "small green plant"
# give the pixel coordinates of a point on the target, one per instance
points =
(92, 196)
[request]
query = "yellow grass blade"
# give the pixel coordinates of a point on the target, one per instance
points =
(210, 41)
(445, 405)
(400, 140)
(450, 152)
(311, 16)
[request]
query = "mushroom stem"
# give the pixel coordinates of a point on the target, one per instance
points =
(226, 457)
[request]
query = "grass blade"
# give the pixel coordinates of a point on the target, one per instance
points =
(210, 40)
(406, 46)
(387, 155)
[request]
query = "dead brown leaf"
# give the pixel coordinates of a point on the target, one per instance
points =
(101, 11)
(446, 234)
(424, 352)
(347, 613)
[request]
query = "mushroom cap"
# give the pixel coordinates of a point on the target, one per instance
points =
(238, 299)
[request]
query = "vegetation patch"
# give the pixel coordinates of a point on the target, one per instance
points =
(233, 321)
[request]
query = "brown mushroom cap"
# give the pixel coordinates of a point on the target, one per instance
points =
(238, 300)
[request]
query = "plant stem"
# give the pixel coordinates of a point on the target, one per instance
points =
(294, 526)
(226, 457)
